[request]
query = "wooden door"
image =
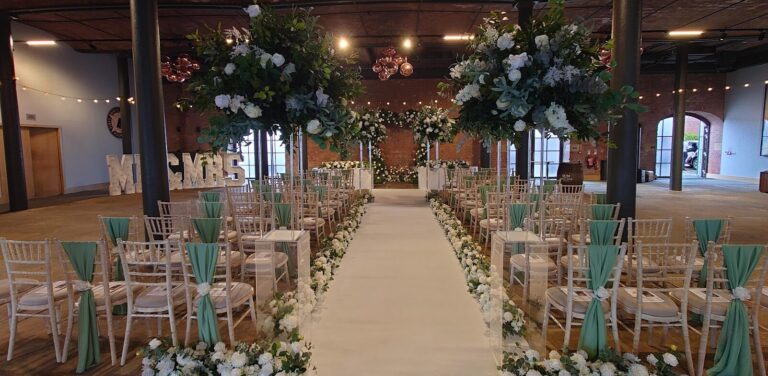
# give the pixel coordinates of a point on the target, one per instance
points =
(45, 162)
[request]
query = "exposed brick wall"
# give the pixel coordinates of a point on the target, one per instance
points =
(399, 150)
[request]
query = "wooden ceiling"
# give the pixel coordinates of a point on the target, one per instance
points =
(734, 38)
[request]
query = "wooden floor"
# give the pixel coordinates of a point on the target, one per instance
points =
(77, 220)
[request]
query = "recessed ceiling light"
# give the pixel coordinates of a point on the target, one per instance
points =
(41, 43)
(407, 43)
(709, 89)
(686, 33)
(369, 103)
(343, 43)
(353, 102)
(746, 85)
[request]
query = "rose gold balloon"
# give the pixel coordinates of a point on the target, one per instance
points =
(377, 68)
(390, 51)
(399, 60)
(406, 69)
(383, 76)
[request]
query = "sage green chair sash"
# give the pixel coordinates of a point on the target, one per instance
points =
(209, 229)
(602, 232)
(707, 230)
(549, 185)
(336, 181)
(602, 212)
(449, 172)
(593, 337)
(733, 355)
(283, 214)
(212, 209)
(600, 198)
(272, 197)
(211, 196)
(118, 228)
(468, 181)
(517, 214)
(82, 256)
(321, 191)
(203, 257)
(484, 193)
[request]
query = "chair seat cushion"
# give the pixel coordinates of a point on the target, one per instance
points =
(649, 265)
(469, 204)
(265, 261)
(250, 237)
(239, 293)
(235, 258)
(665, 308)
(576, 239)
(313, 222)
(155, 297)
(175, 235)
(492, 223)
(537, 263)
(327, 212)
(5, 287)
(38, 296)
(558, 297)
(696, 304)
(231, 235)
(476, 212)
(117, 292)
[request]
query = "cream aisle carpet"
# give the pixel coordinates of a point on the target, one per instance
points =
(399, 303)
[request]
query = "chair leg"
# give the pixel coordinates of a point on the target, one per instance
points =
(172, 322)
(127, 339)
(111, 335)
(252, 307)
(687, 344)
(638, 330)
(12, 340)
(231, 327)
(545, 323)
(703, 342)
(568, 323)
(52, 317)
(68, 335)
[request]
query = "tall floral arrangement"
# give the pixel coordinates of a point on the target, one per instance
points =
(433, 124)
(279, 74)
(546, 75)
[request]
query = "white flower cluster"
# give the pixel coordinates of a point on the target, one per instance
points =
(340, 165)
(531, 363)
(557, 118)
(477, 270)
(466, 93)
(279, 359)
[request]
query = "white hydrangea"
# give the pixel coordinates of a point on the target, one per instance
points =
(557, 118)
(514, 75)
(637, 370)
(229, 69)
(222, 101)
(313, 126)
(277, 59)
(491, 34)
(670, 359)
(517, 61)
(241, 49)
(467, 92)
(505, 41)
(236, 103)
(542, 42)
(252, 111)
(253, 10)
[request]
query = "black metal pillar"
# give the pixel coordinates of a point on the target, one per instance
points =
(9, 105)
(149, 104)
(264, 155)
(622, 159)
(485, 154)
(124, 92)
(522, 155)
(678, 123)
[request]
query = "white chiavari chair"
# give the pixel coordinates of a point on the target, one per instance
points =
(177, 208)
(147, 267)
(266, 261)
(538, 258)
(649, 231)
(29, 267)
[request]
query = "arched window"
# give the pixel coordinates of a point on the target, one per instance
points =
(275, 156)
(694, 144)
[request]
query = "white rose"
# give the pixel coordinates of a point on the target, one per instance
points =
(313, 126)
(264, 58)
(278, 60)
(637, 370)
(154, 343)
(253, 10)
(652, 359)
(252, 111)
(265, 358)
(235, 103)
(222, 101)
(229, 69)
(505, 41)
(670, 359)
(517, 61)
(533, 372)
(602, 294)
(542, 42)
(238, 359)
(514, 75)
(519, 126)
(220, 347)
(563, 373)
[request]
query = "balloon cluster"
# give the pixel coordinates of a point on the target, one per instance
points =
(392, 63)
(180, 69)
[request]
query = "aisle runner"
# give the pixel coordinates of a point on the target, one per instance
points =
(399, 305)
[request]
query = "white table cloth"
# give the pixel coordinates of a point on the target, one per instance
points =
(362, 178)
(432, 179)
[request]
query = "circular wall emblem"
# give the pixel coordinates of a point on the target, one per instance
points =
(113, 122)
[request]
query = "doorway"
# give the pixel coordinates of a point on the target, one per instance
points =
(695, 147)
(42, 163)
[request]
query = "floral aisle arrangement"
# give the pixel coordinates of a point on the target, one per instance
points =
(341, 165)
(433, 125)
(531, 363)
(448, 164)
(373, 131)
(477, 270)
(402, 174)
(278, 74)
(285, 353)
(546, 75)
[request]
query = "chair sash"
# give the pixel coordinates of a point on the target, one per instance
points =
(517, 213)
(602, 232)
(211, 196)
(208, 229)
(283, 214)
(321, 191)
(203, 257)
(549, 185)
(733, 355)
(212, 209)
(600, 198)
(593, 336)
(82, 256)
(118, 228)
(272, 196)
(707, 230)
(602, 212)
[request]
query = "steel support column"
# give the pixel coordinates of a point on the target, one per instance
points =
(9, 105)
(622, 159)
(124, 92)
(523, 154)
(150, 111)
(678, 123)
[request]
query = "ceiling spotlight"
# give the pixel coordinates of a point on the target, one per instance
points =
(387, 103)
(352, 102)
(420, 101)
(369, 103)
(228, 40)
(403, 103)
(79, 101)
(343, 43)
(435, 100)
(640, 97)
(118, 98)
(723, 35)
(746, 85)
(95, 101)
(658, 94)
(41, 43)
(709, 89)
(106, 100)
(407, 43)
(695, 90)
(727, 88)
(686, 33)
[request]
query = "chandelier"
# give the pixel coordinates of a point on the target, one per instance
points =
(179, 69)
(390, 63)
